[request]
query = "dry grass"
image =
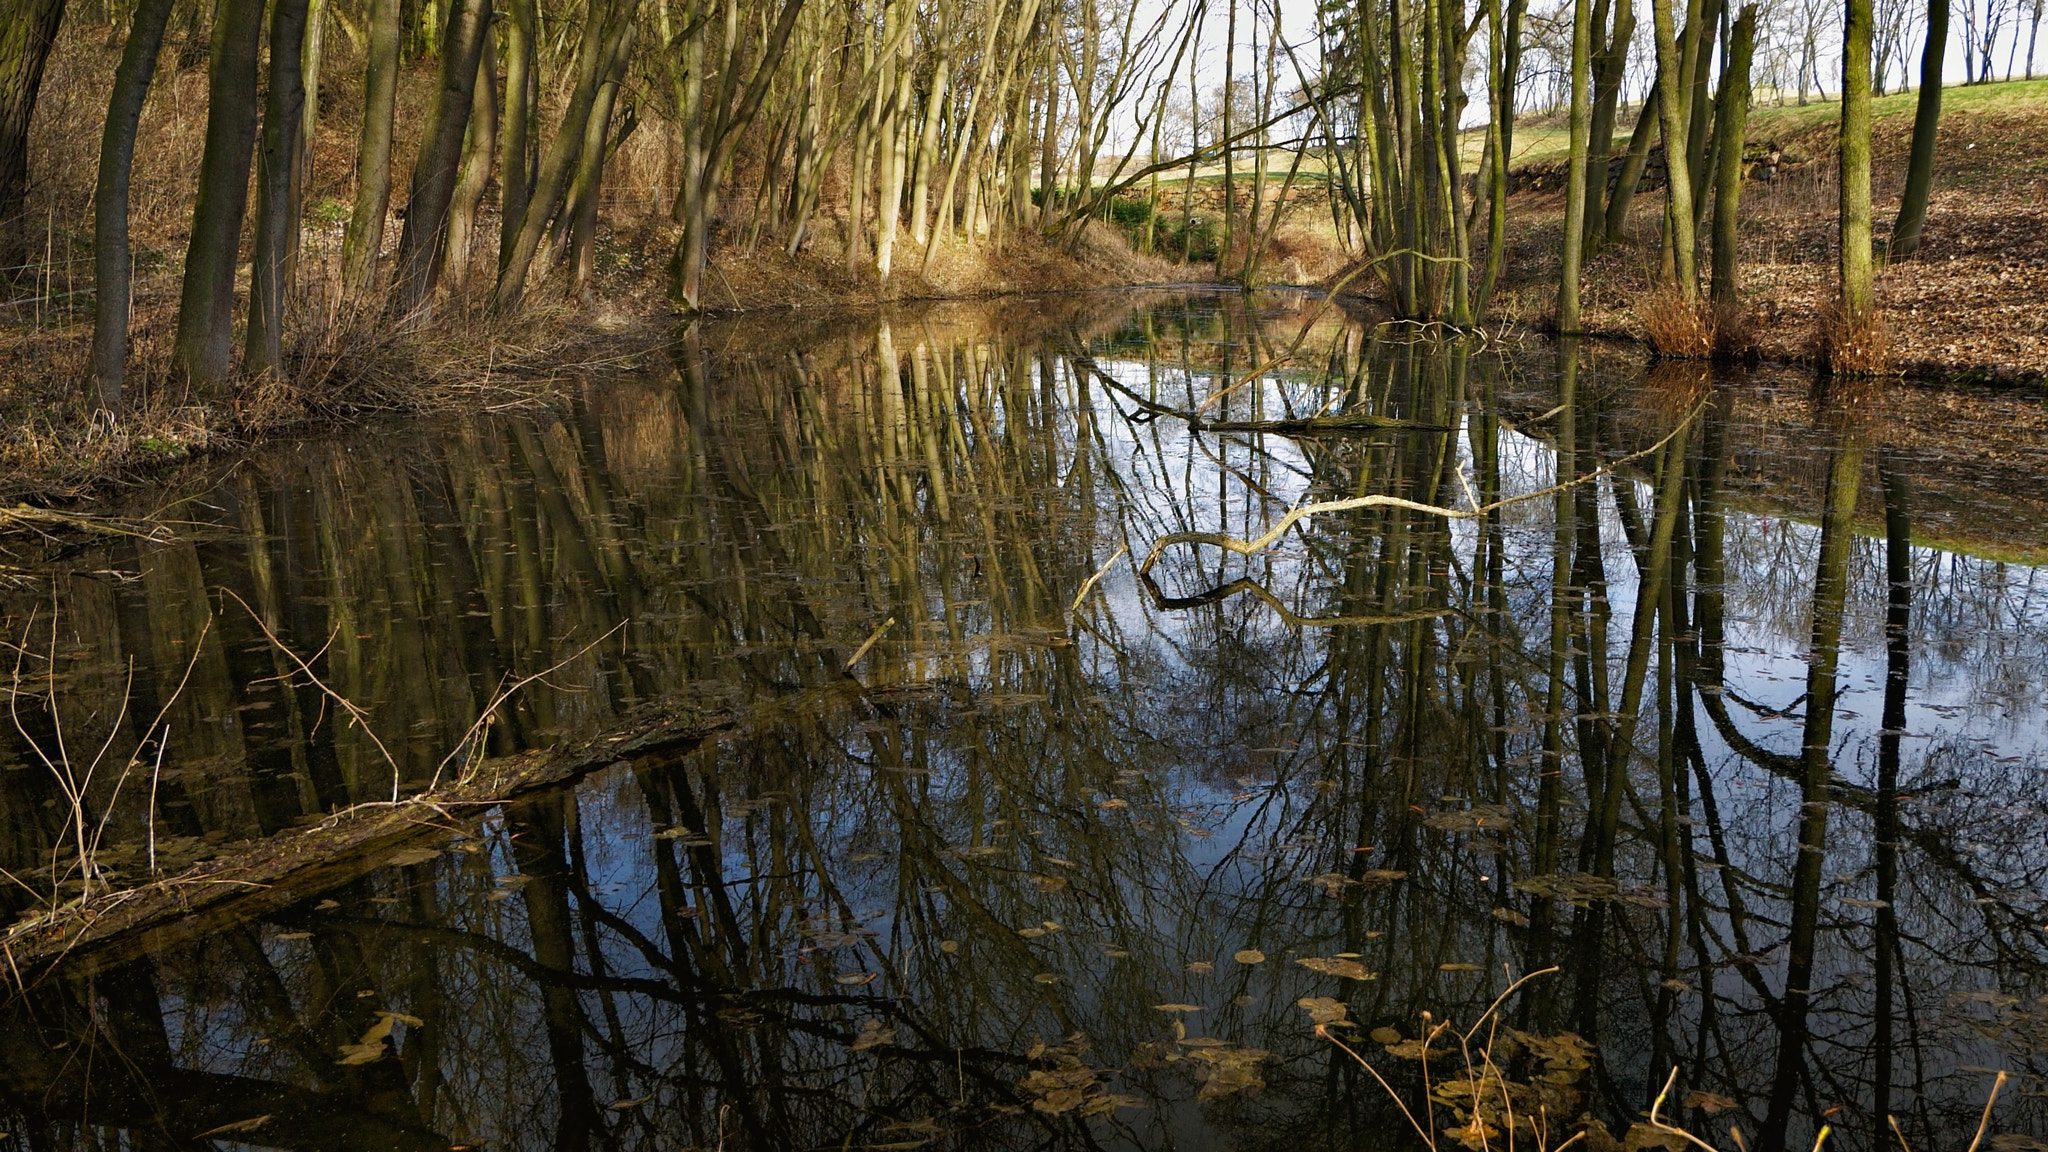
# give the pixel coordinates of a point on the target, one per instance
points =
(1852, 347)
(1674, 327)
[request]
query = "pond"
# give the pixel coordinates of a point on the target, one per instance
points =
(1712, 708)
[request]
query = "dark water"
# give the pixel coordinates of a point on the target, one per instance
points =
(1042, 869)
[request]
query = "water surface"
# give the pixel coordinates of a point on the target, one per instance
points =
(1742, 734)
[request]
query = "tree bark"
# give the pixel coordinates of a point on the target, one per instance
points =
(113, 263)
(1568, 323)
(364, 240)
(1671, 113)
(433, 176)
(1731, 120)
(1856, 272)
(1912, 221)
(515, 172)
(276, 182)
(28, 30)
(476, 169)
(205, 341)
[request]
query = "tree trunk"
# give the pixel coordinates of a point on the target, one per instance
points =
(433, 176)
(205, 341)
(552, 182)
(515, 172)
(1624, 195)
(364, 240)
(276, 180)
(1671, 112)
(1731, 120)
(1856, 287)
(583, 197)
(1608, 69)
(113, 264)
(1912, 221)
(476, 169)
(1575, 178)
(26, 33)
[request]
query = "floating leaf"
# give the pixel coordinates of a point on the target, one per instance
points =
(1048, 883)
(1177, 1007)
(1326, 1010)
(852, 979)
(1228, 1071)
(294, 935)
(949, 946)
(872, 1035)
(1459, 967)
(412, 856)
(1031, 933)
(1385, 1035)
(1116, 954)
(1510, 916)
(623, 1105)
(1201, 1042)
(1712, 1103)
(1336, 966)
(327, 906)
(1047, 978)
(1249, 956)
(1471, 819)
(1201, 967)
(1114, 804)
(1853, 903)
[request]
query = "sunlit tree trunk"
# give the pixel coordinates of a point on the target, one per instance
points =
(1671, 113)
(1731, 120)
(477, 158)
(1856, 271)
(1575, 179)
(440, 156)
(205, 341)
(364, 240)
(515, 171)
(1912, 221)
(113, 263)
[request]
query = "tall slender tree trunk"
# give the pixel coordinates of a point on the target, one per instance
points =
(434, 175)
(27, 30)
(583, 197)
(1912, 221)
(1856, 271)
(113, 262)
(277, 169)
(1731, 121)
(205, 341)
(1624, 195)
(1575, 173)
(1225, 137)
(477, 159)
(515, 172)
(312, 56)
(1671, 113)
(364, 240)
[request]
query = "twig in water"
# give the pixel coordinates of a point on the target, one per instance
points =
(356, 714)
(1661, 1126)
(873, 639)
(473, 740)
(1088, 585)
(1985, 1122)
(1248, 547)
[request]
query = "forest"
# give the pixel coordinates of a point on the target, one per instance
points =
(277, 187)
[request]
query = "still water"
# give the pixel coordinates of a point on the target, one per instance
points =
(1014, 841)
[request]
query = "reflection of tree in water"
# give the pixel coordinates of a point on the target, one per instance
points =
(852, 921)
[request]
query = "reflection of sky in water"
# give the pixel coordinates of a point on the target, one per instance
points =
(1222, 716)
